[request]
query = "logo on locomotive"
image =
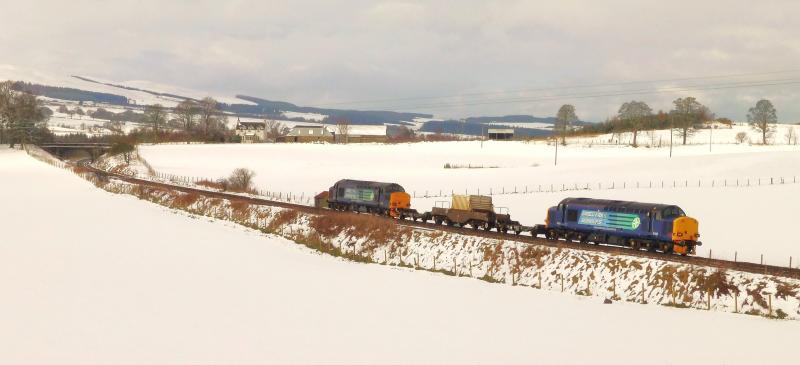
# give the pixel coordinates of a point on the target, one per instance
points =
(364, 195)
(613, 220)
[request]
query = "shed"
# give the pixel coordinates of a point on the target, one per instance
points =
(501, 133)
(321, 200)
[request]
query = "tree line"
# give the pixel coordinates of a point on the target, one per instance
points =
(686, 116)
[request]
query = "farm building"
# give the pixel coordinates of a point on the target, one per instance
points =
(309, 133)
(501, 134)
(362, 134)
(250, 132)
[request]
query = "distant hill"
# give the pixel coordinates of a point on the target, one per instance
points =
(512, 119)
(66, 93)
(376, 117)
(477, 129)
(260, 107)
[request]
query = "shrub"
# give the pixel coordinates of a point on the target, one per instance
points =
(741, 137)
(241, 180)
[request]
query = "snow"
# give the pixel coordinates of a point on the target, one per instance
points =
(307, 169)
(307, 116)
(531, 125)
(95, 288)
(366, 130)
(17, 73)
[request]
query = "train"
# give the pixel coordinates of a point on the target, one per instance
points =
(655, 227)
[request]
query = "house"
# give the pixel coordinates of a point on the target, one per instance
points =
(250, 132)
(308, 133)
(501, 134)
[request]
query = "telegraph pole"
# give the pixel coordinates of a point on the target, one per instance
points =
(556, 160)
(710, 135)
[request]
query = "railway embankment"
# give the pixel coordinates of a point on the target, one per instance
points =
(605, 277)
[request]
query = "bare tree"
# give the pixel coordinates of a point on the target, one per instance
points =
(6, 96)
(791, 135)
(241, 180)
(741, 137)
(209, 114)
(343, 129)
(156, 115)
(186, 112)
(762, 118)
(634, 114)
(22, 117)
(274, 129)
(80, 112)
(687, 113)
(564, 118)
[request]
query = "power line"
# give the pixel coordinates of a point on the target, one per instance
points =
(596, 85)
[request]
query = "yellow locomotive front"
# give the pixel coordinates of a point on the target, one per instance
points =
(686, 235)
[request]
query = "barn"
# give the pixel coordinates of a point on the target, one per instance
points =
(501, 133)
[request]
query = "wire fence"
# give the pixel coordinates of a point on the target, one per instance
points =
(747, 182)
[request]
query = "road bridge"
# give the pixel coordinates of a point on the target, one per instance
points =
(67, 150)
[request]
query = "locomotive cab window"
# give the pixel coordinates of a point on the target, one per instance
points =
(572, 215)
(672, 212)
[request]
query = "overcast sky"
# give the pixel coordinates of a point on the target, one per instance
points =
(479, 53)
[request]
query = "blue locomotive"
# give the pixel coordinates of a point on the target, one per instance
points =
(369, 196)
(655, 227)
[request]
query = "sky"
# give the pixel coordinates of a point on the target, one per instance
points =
(450, 58)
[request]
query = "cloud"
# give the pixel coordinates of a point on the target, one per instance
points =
(319, 52)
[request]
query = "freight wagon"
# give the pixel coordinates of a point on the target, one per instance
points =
(476, 211)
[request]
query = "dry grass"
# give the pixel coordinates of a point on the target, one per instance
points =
(212, 184)
(361, 226)
(785, 290)
(282, 218)
(183, 201)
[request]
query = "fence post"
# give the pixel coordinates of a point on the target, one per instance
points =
(562, 282)
(539, 275)
(708, 300)
(735, 256)
(736, 301)
(455, 267)
(643, 302)
(770, 305)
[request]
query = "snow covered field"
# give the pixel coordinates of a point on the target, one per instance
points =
(128, 282)
(760, 213)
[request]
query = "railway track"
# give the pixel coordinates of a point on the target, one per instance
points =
(690, 260)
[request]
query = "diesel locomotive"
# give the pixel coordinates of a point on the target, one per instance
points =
(368, 197)
(655, 227)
